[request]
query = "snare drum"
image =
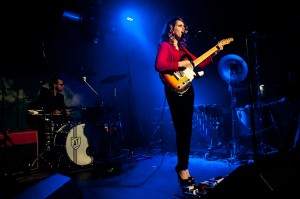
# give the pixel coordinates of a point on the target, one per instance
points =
(71, 139)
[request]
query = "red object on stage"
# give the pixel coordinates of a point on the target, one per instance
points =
(18, 151)
(21, 137)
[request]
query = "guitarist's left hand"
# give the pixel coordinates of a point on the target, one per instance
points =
(220, 47)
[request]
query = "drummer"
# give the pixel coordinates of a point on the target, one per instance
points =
(51, 99)
(48, 112)
(50, 102)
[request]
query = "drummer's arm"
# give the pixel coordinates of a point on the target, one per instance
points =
(57, 112)
(66, 113)
(61, 112)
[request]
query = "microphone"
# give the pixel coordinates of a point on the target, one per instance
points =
(193, 33)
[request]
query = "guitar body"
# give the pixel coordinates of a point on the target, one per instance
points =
(180, 81)
(177, 81)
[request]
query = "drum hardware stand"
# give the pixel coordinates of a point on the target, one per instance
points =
(114, 79)
(233, 69)
(234, 141)
(36, 161)
(159, 129)
(112, 144)
(48, 132)
(211, 116)
(263, 147)
(108, 130)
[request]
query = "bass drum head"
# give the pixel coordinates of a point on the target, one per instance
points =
(71, 141)
(77, 146)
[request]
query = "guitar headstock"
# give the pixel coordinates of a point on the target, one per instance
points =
(225, 41)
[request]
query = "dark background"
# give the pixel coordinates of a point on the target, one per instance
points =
(38, 42)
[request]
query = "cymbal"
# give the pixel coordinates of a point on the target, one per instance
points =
(33, 112)
(232, 68)
(38, 112)
(113, 78)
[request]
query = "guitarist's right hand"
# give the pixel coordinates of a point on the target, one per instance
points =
(185, 64)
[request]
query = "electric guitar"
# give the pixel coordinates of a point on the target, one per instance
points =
(181, 80)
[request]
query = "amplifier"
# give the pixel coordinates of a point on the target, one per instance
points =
(18, 151)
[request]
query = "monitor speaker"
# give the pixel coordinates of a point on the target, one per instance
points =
(271, 175)
(54, 186)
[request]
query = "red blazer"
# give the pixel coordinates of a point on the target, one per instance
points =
(168, 56)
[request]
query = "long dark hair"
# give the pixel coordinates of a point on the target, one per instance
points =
(167, 31)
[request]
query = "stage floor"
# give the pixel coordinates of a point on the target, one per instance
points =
(141, 173)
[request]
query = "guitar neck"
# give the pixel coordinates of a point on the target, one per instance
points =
(205, 55)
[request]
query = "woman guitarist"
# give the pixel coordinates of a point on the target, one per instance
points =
(172, 61)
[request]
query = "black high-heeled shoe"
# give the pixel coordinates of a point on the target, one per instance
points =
(184, 182)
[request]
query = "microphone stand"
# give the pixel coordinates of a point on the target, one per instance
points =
(103, 127)
(256, 167)
(234, 138)
(252, 119)
(99, 96)
(262, 146)
(84, 80)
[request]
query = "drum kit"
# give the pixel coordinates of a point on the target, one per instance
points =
(66, 143)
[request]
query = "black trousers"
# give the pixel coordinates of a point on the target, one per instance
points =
(181, 110)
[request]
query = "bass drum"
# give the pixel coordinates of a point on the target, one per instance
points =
(71, 139)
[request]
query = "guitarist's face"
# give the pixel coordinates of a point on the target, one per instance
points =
(178, 29)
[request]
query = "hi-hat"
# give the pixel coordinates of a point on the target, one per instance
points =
(232, 68)
(113, 78)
